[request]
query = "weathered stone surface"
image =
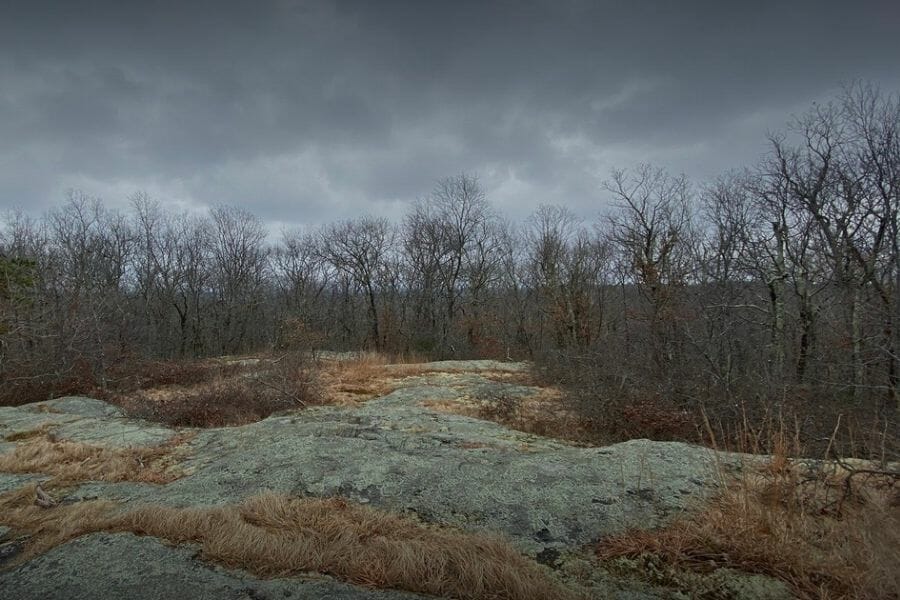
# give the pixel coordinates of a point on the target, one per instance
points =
(447, 469)
(83, 420)
(12, 481)
(114, 566)
(78, 405)
(720, 583)
(394, 453)
(22, 419)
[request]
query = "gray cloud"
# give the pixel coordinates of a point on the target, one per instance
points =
(305, 111)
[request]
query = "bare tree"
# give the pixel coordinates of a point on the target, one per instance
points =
(301, 277)
(360, 250)
(840, 176)
(89, 264)
(653, 232)
(873, 121)
(564, 262)
(239, 263)
(452, 239)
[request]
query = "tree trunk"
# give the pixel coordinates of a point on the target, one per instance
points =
(776, 292)
(856, 341)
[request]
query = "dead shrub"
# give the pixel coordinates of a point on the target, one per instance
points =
(273, 385)
(633, 417)
(127, 375)
(26, 384)
(500, 406)
(822, 536)
(619, 404)
(296, 335)
(220, 392)
(131, 375)
(219, 404)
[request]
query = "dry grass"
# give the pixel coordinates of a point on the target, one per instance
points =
(228, 393)
(258, 390)
(364, 376)
(75, 461)
(544, 413)
(18, 436)
(237, 391)
(221, 403)
(125, 376)
(197, 393)
(825, 533)
(273, 535)
(48, 528)
(139, 374)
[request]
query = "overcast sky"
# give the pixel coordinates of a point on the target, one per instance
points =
(305, 111)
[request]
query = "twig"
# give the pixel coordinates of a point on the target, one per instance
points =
(833, 436)
(43, 499)
(280, 390)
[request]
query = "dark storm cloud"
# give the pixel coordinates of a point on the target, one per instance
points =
(305, 111)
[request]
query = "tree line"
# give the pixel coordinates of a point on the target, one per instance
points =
(778, 279)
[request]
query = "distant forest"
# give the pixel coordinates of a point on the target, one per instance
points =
(777, 281)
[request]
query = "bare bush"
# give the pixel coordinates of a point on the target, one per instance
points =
(808, 529)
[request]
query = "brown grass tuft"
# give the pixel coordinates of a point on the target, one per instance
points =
(75, 461)
(274, 535)
(823, 534)
(364, 376)
(48, 528)
(544, 413)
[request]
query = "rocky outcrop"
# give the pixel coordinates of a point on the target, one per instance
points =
(549, 498)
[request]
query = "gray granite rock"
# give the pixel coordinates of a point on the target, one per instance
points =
(119, 566)
(547, 497)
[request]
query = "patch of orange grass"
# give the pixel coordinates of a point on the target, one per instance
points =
(274, 535)
(76, 461)
(50, 527)
(363, 377)
(810, 532)
(542, 413)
